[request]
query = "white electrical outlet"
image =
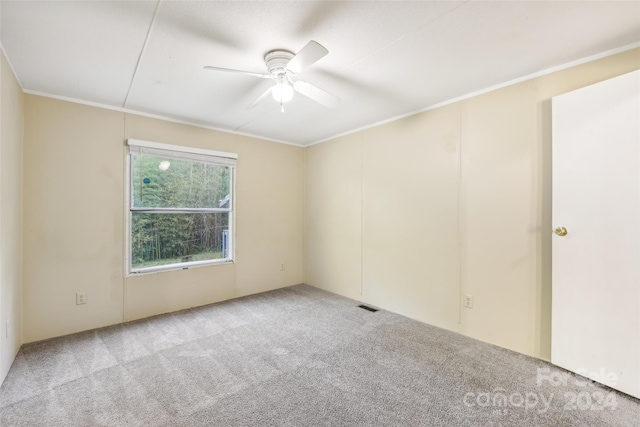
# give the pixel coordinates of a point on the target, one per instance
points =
(282, 266)
(81, 298)
(468, 301)
(6, 329)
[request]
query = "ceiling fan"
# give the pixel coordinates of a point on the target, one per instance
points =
(282, 67)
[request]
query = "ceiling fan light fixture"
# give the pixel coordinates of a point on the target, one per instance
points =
(282, 67)
(282, 92)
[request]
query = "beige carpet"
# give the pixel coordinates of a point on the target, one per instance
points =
(297, 356)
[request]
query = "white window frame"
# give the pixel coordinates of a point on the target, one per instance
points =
(189, 153)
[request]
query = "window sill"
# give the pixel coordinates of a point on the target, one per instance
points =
(177, 267)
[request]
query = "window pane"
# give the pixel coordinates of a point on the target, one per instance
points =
(170, 183)
(159, 239)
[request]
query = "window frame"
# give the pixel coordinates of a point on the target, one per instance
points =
(225, 159)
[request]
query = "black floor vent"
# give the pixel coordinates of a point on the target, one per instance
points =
(366, 307)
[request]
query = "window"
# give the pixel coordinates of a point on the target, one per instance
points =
(180, 206)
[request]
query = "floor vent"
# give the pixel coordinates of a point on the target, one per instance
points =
(366, 307)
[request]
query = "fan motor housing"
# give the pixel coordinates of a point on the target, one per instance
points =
(277, 61)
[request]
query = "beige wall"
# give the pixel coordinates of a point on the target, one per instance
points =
(11, 125)
(413, 214)
(410, 236)
(333, 216)
(74, 220)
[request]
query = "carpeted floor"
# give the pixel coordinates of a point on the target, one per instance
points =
(297, 356)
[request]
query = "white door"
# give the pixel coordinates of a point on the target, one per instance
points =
(596, 265)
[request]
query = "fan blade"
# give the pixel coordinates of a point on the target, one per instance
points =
(309, 54)
(229, 70)
(261, 98)
(316, 94)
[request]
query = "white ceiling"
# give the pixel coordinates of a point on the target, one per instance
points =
(385, 59)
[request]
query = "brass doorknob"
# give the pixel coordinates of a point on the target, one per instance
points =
(561, 231)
